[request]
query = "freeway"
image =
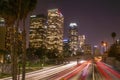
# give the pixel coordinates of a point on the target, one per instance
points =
(70, 73)
(108, 72)
(86, 70)
(36, 75)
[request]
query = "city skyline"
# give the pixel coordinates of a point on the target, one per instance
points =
(96, 19)
(59, 40)
(47, 30)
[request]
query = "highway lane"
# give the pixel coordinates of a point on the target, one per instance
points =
(109, 73)
(75, 72)
(97, 74)
(57, 75)
(98, 71)
(90, 72)
(84, 71)
(50, 72)
(45, 73)
(66, 74)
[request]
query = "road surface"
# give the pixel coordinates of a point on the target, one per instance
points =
(73, 71)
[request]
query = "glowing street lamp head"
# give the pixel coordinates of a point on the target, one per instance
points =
(104, 44)
(73, 24)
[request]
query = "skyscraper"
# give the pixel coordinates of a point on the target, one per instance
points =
(73, 37)
(87, 49)
(37, 34)
(55, 30)
(81, 40)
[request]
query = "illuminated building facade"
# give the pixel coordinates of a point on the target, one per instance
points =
(87, 49)
(2, 37)
(73, 37)
(37, 34)
(96, 50)
(66, 44)
(81, 40)
(55, 30)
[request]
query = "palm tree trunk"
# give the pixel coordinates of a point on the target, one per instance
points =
(14, 49)
(10, 24)
(24, 52)
(13, 55)
(113, 40)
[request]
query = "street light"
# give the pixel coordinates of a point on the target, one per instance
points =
(104, 45)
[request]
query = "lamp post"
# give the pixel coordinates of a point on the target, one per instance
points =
(104, 46)
(104, 51)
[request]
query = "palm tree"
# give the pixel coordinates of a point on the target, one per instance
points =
(27, 6)
(13, 11)
(113, 35)
(9, 14)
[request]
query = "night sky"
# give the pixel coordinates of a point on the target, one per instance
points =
(96, 19)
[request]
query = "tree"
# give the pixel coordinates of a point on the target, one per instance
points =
(3, 52)
(26, 6)
(114, 51)
(66, 50)
(13, 11)
(113, 35)
(53, 53)
(30, 54)
(10, 15)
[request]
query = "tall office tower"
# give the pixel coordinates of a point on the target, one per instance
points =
(66, 45)
(37, 32)
(81, 40)
(73, 37)
(87, 49)
(2, 37)
(96, 50)
(55, 30)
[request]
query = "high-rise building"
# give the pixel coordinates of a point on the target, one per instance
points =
(2, 37)
(87, 49)
(96, 50)
(81, 40)
(55, 30)
(37, 34)
(66, 47)
(73, 37)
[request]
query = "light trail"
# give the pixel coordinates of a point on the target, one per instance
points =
(84, 72)
(55, 76)
(36, 75)
(107, 77)
(110, 70)
(74, 72)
